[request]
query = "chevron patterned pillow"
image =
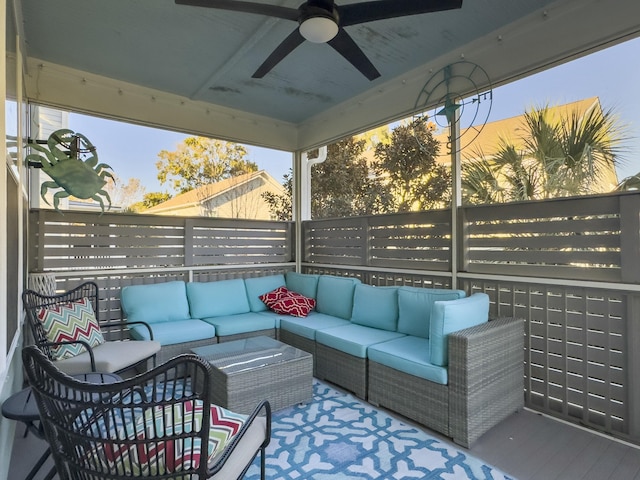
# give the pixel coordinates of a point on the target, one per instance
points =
(70, 321)
(163, 456)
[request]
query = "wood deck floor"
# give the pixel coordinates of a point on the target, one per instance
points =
(527, 446)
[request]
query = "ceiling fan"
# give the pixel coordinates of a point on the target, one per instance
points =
(322, 21)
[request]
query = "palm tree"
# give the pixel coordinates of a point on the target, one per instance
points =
(558, 157)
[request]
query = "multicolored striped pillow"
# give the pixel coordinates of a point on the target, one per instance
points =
(139, 455)
(69, 322)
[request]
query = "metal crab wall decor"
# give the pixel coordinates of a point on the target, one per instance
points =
(72, 163)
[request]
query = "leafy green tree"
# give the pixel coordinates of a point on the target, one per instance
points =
(154, 198)
(403, 176)
(414, 179)
(558, 157)
(199, 161)
(280, 204)
(342, 186)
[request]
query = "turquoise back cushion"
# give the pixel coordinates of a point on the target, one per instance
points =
(335, 295)
(155, 303)
(214, 299)
(453, 315)
(303, 283)
(414, 308)
(375, 307)
(257, 286)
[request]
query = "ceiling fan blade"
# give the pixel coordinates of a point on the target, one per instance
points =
(356, 13)
(287, 46)
(345, 46)
(247, 7)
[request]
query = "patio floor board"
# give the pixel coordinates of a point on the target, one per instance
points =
(527, 446)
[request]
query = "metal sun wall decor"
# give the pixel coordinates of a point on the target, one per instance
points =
(464, 91)
(71, 161)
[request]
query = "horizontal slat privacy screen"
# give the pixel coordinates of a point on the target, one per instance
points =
(87, 241)
(417, 240)
(569, 238)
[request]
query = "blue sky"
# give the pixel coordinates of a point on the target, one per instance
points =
(612, 75)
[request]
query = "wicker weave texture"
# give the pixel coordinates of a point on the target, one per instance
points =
(167, 352)
(301, 343)
(486, 377)
(418, 399)
(486, 383)
(343, 369)
(271, 333)
(283, 383)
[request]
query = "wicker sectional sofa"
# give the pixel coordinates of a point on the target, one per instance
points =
(428, 354)
(183, 315)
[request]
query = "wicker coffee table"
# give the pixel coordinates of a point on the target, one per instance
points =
(250, 370)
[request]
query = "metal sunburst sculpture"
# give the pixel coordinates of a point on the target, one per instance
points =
(72, 163)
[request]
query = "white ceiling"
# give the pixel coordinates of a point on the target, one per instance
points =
(189, 68)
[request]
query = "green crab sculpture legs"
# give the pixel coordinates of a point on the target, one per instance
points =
(74, 168)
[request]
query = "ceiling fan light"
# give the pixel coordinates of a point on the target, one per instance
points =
(318, 29)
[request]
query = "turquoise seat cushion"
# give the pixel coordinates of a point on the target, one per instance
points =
(170, 333)
(216, 299)
(307, 327)
(259, 285)
(375, 307)
(154, 303)
(409, 355)
(303, 283)
(335, 295)
(453, 315)
(241, 323)
(277, 317)
(414, 307)
(354, 339)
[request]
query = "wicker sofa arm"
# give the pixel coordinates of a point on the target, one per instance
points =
(486, 377)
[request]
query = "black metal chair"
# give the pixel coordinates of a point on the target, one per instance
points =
(112, 356)
(158, 424)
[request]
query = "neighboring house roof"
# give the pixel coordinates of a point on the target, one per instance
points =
(206, 193)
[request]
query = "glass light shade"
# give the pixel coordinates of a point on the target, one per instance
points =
(318, 29)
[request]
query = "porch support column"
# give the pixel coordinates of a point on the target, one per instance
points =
(302, 195)
(630, 259)
(456, 198)
(296, 210)
(3, 197)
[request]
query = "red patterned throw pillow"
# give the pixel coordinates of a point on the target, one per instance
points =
(294, 304)
(273, 296)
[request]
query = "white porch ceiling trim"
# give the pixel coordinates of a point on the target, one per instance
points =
(67, 88)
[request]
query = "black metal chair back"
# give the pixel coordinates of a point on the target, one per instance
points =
(154, 425)
(33, 301)
(127, 356)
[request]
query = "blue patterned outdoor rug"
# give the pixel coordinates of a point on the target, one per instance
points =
(339, 437)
